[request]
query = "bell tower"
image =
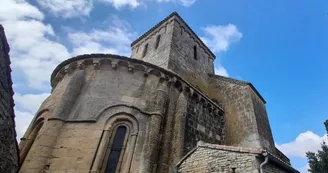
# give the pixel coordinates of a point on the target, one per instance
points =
(172, 44)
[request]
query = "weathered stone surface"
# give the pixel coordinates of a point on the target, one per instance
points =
(209, 158)
(167, 100)
(202, 124)
(8, 144)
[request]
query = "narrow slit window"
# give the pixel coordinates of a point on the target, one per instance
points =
(158, 39)
(116, 150)
(145, 50)
(195, 52)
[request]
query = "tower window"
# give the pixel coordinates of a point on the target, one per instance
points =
(195, 52)
(145, 50)
(158, 39)
(116, 150)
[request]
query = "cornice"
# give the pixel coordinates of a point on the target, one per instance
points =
(115, 61)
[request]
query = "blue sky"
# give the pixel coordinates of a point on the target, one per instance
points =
(280, 46)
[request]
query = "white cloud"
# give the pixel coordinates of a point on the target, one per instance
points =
(115, 39)
(33, 53)
(78, 8)
(220, 70)
(218, 38)
(25, 108)
(30, 102)
(67, 8)
(137, 3)
(22, 120)
(14, 10)
(304, 142)
(186, 3)
(121, 3)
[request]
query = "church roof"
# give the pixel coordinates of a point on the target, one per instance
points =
(165, 20)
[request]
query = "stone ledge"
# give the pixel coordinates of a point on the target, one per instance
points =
(114, 61)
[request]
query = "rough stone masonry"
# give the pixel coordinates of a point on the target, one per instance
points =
(8, 143)
(147, 113)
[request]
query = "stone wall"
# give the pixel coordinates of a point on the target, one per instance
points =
(190, 65)
(202, 124)
(176, 50)
(240, 129)
(211, 158)
(8, 143)
(247, 123)
(156, 55)
(263, 124)
(208, 159)
(91, 94)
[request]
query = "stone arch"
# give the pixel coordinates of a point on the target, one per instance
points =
(105, 113)
(31, 133)
(28, 142)
(114, 117)
(42, 114)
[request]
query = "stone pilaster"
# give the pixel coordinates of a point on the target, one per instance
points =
(43, 139)
(158, 108)
(179, 123)
(37, 159)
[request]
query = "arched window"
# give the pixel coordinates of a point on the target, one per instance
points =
(195, 52)
(116, 150)
(145, 50)
(116, 147)
(158, 39)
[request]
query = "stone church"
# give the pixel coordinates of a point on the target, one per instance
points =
(161, 110)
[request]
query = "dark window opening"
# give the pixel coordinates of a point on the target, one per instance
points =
(158, 39)
(116, 150)
(145, 50)
(195, 52)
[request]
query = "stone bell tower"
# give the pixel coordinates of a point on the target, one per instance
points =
(171, 44)
(144, 113)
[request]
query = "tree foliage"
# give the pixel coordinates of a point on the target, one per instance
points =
(318, 162)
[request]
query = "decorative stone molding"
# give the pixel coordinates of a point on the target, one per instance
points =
(133, 65)
(115, 120)
(123, 108)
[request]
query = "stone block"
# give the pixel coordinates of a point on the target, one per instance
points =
(127, 99)
(62, 163)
